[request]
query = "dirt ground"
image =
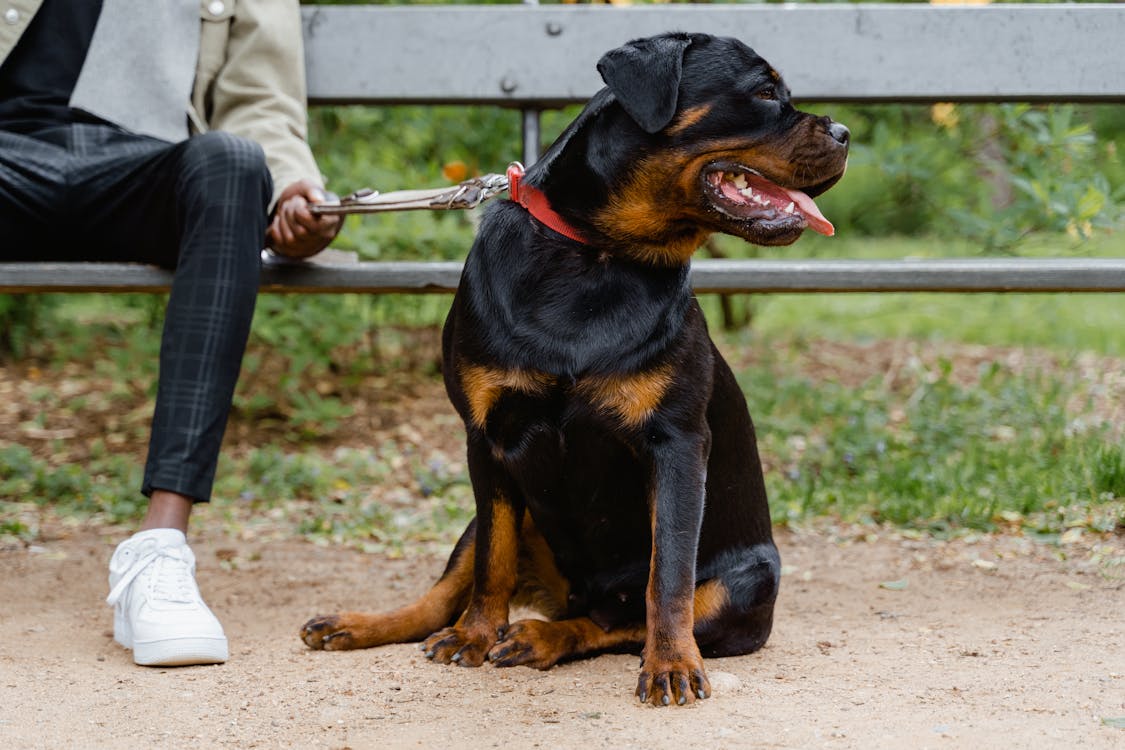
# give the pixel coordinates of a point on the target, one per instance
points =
(880, 641)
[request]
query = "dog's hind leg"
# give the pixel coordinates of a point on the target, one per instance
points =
(437, 608)
(734, 601)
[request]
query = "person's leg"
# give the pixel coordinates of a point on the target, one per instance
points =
(167, 510)
(32, 189)
(199, 207)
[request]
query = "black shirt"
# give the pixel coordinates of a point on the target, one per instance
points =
(38, 77)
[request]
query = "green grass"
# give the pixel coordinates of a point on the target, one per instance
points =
(928, 449)
(105, 487)
(385, 498)
(932, 453)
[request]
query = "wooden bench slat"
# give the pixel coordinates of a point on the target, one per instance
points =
(545, 55)
(936, 275)
(758, 276)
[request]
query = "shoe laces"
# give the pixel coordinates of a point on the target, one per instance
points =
(172, 574)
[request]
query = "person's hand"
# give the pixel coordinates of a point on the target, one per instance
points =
(295, 231)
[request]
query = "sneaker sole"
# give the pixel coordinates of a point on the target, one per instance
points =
(172, 652)
(180, 652)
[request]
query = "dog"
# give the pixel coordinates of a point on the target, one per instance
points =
(614, 464)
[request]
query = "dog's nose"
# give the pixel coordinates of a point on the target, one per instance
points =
(840, 132)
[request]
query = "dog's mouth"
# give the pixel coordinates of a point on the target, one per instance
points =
(745, 195)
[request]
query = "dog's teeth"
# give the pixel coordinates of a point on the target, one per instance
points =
(747, 191)
(789, 208)
(739, 181)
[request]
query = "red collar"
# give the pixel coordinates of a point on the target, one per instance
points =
(537, 204)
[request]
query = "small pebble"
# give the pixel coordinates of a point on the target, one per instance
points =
(724, 682)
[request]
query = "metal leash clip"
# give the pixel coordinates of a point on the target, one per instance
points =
(472, 192)
(468, 194)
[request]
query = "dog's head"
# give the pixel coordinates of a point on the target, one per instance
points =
(696, 134)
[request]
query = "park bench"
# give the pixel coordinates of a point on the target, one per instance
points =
(535, 57)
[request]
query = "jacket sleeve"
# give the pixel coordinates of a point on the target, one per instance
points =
(259, 92)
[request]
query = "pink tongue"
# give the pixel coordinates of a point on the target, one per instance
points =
(806, 206)
(778, 196)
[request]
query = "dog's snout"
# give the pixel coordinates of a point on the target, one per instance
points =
(840, 132)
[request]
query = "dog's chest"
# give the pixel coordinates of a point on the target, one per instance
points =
(623, 401)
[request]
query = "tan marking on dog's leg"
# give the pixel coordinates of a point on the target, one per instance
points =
(710, 599)
(541, 644)
(541, 585)
(467, 642)
(435, 609)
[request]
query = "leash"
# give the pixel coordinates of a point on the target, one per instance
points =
(464, 195)
(468, 194)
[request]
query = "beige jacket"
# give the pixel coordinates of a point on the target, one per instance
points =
(249, 79)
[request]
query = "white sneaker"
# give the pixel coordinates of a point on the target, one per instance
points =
(157, 609)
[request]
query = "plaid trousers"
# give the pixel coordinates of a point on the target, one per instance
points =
(90, 192)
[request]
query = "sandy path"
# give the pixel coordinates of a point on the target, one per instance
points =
(1022, 650)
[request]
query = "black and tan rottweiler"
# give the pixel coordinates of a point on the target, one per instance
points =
(617, 480)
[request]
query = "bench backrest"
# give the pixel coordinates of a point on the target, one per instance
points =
(542, 56)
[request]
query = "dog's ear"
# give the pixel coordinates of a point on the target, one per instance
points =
(644, 75)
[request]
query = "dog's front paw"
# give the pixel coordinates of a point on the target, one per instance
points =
(461, 645)
(678, 680)
(328, 633)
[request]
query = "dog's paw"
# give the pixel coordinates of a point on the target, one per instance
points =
(467, 647)
(530, 643)
(328, 633)
(679, 680)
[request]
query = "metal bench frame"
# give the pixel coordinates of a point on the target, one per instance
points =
(538, 57)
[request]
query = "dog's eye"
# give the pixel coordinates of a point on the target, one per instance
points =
(769, 93)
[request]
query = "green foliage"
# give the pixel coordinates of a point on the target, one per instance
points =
(1108, 469)
(300, 341)
(435, 504)
(936, 454)
(931, 448)
(395, 148)
(106, 485)
(989, 173)
(899, 181)
(1053, 161)
(20, 318)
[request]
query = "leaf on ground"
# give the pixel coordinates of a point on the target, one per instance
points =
(894, 585)
(1117, 722)
(1070, 536)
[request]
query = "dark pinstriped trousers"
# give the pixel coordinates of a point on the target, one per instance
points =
(94, 192)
